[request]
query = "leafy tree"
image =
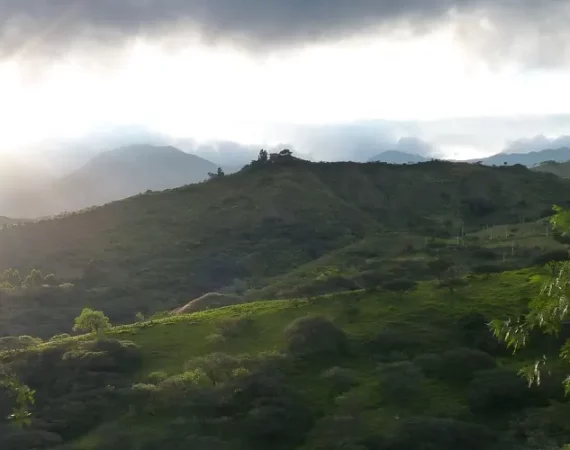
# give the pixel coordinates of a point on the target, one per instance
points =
(219, 173)
(22, 397)
(12, 278)
(263, 156)
(91, 321)
(34, 279)
(547, 312)
(315, 335)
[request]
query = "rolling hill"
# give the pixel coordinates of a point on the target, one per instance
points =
(237, 233)
(561, 169)
(530, 159)
(336, 306)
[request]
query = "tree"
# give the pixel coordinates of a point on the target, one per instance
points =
(34, 279)
(548, 312)
(263, 156)
(315, 335)
(91, 321)
(286, 152)
(219, 173)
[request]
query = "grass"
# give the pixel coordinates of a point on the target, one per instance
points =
(167, 343)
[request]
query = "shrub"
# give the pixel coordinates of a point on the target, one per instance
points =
(393, 340)
(498, 391)
(342, 379)
(156, 377)
(430, 433)
(215, 338)
(401, 382)
(234, 326)
(315, 335)
(461, 365)
(551, 256)
(430, 364)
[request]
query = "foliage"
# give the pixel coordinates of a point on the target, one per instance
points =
(315, 335)
(547, 313)
(401, 382)
(91, 321)
(461, 365)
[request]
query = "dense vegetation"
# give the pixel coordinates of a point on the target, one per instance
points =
(337, 306)
(256, 233)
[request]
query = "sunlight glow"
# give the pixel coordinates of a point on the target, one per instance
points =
(224, 94)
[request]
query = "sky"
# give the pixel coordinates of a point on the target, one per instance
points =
(333, 78)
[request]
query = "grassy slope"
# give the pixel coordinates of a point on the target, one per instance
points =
(169, 342)
(159, 250)
(429, 315)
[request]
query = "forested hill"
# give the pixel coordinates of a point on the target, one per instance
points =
(161, 249)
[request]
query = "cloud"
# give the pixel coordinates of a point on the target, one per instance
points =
(537, 143)
(40, 27)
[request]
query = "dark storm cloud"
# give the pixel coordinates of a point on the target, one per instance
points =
(36, 27)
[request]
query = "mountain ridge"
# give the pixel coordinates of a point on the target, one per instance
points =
(108, 176)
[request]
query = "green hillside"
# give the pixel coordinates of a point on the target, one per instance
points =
(240, 234)
(375, 370)
(561, 169)
(292, 306)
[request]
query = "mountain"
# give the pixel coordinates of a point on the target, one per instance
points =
(108, 176)
(530, 159)
(398, 157)
(162, 249)
(561, 169)
(128, 171)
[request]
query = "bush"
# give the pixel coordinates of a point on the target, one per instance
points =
(430, 433)
(401, 382)
(234, 326)
(393, 340)
(342, 379)
(498, 391)
(551, 256)
(215, 338)
(461, 365)
(315, 335)
(474, 332)
(430, 364)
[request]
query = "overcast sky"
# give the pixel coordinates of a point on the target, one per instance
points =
(331, 77)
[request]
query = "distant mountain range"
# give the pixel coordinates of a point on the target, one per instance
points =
(530, 159)
(109, 176)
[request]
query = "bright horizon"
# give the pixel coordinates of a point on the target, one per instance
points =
(190, 89)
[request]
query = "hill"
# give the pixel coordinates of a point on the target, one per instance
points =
(238, 234)
(398, 157)
(561, 169)
(530, 159)
(128, 171)
(107, 177)
(372, 370)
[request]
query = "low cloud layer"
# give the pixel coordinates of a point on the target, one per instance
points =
(39, 27)
(537, 143)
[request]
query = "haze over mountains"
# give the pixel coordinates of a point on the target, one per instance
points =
(30, 188)
(109, 176)
(529, 159)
